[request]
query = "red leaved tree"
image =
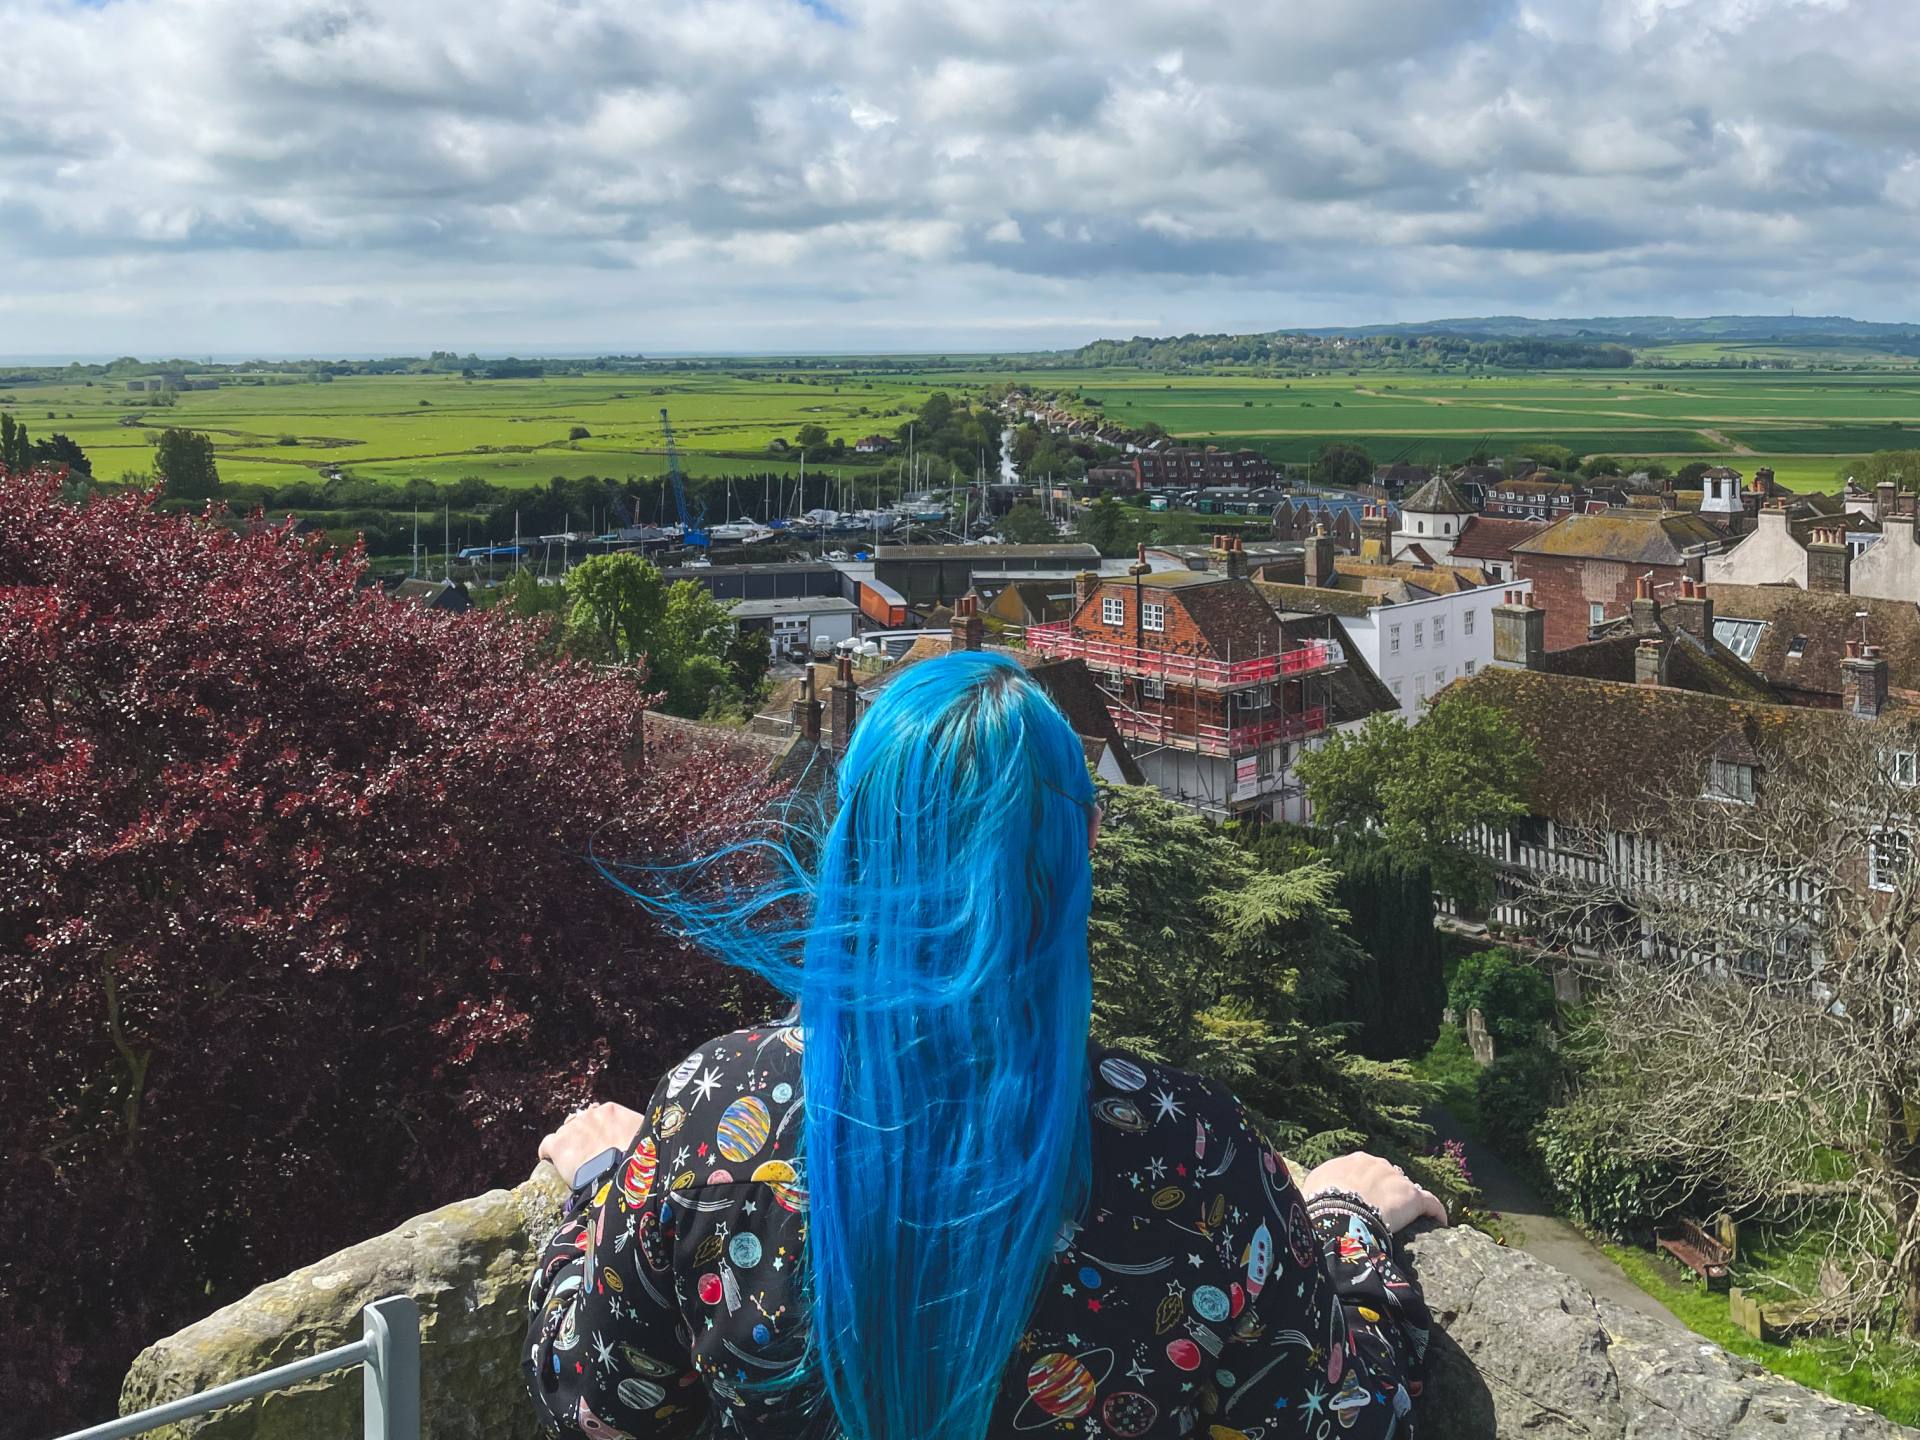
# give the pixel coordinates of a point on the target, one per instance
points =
(296, 936)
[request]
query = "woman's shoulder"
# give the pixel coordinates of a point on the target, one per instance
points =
(727, 1111)
(732, 1059)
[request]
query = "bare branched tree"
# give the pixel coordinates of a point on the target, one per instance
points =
(1758, 984)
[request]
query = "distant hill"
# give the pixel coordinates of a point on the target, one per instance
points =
(1645, 329)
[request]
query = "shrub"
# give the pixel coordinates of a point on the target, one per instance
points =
(1592, 1177)
(293, 909)
(1513, 997)
(1514, 1094)
(579, 432)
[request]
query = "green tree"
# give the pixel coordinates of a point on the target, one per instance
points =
(1513, 997)
(1902, 467)
(615, 604)
(1107, 525)
(1340, 464)
(1423, 786)
(1206, 959)
(183, 462)
(16, 450)
(686, 658)
(811, 438)
(1026, 524)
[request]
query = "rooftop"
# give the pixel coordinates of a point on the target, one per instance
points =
(1803, 634)
(1635, 539)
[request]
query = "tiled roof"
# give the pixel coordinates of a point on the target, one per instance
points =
(1626, 748)
(1316, 600)
(1437, 497)
(1822, 624)
(1068, 683)
(1354, 572)
(1234, 619)
(1616, 535)
(1689, 665)
(1487, 537)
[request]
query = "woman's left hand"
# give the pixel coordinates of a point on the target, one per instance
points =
(585, 1133)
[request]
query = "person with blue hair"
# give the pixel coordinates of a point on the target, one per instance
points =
(925, 1205)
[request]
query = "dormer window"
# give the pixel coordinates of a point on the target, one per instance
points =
(1730, 780)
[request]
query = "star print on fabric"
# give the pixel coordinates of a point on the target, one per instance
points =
(1101, 1355)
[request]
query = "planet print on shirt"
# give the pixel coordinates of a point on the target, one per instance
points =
(1121, 1113)
(636, 1176)
(1062, 1387)
(1129, 1414)
(1122, 1074)
(743, 1128)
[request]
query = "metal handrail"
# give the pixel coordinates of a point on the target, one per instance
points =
(1057, 637)
(388, 1352)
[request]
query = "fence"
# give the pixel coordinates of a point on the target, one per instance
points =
(388, 1352)
(1058, 638)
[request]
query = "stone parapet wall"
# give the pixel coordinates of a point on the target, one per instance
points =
(1520, 1349)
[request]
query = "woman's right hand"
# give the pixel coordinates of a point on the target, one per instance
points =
(1381, 1183)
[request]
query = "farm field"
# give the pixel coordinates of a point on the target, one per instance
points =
(515, 432)
(1803, 425)
(440, 428)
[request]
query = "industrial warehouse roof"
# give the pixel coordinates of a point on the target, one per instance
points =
(987, 554)
(790, 605)
(1632, 539)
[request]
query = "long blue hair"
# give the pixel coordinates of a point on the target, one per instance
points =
(945, 1000)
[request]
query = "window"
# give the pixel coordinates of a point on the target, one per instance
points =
(1796, 647)
(1742, 637)
(1889, 858)
(1469, 667)
(1420, 688)
(1153, 687)
(1419, 634)
(1466, 616)
(1596, 612)
(1730, 780)
(1447, 528)
(1439, 630)
(1152, 616)
(1903, 768)
(1440, 678)
(1400, 690)
(1393, 639)
(1113, 610)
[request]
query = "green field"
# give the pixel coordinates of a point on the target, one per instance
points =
(514, 432)
(440, 427)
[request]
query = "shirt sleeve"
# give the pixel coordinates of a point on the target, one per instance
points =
(1333, 1327)
(606, 1350)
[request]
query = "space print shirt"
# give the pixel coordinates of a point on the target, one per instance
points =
(1198, 1295)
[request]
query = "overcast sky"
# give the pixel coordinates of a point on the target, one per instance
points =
(357, 176)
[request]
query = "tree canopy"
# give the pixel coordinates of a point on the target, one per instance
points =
(183, 462)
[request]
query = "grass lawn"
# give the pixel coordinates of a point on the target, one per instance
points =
(1887, 1379)
(1450, 1067)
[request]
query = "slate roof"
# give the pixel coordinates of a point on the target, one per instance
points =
(1488, 537)
(1633, 539)
(1437, 497)
(1824, 622)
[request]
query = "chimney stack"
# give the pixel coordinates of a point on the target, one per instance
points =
(1229, 556)
(1320, 572)
(1646, 609)
(846, 709)
(1376, 534)
(1084, 584)
(1883, 499)
(806, 710)
(1692, 611)
(1829, 561)
(968, 629)
(1519, 631)
(1647, 658)
(1140, 566)
(1863, 680)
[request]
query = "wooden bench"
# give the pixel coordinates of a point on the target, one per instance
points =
(1694, 1248)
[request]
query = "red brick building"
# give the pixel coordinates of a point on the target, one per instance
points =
(1213, 688)
(1585, 568)
(1184, 468)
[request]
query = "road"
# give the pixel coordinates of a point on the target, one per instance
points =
(1543, 1234)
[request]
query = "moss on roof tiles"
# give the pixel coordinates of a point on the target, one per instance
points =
(1615, 535)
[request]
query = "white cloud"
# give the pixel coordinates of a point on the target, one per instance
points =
(341, 175)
